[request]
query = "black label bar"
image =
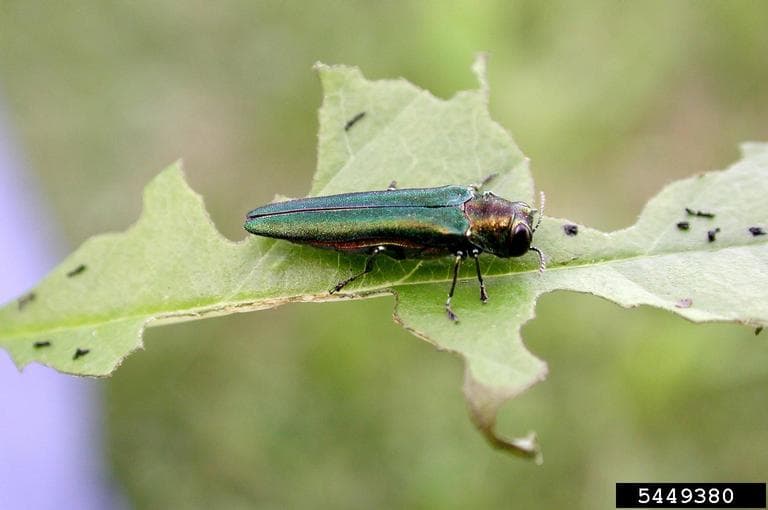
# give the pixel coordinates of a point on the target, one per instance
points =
(690, 495)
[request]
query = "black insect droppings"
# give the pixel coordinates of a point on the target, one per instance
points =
(756, 231)
(700, 214)
(684, 303)
(683, 225)
(570, 230)
(76, 271)
(711, 234)
(79, 353)
(758, 330)
(26, 299)
(39, 345)
(351, 122)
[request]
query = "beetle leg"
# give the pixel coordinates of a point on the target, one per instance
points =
(367, 269)
(542, 265)
(392, 186)
(488, 178)
(483, 293)
(456, 264)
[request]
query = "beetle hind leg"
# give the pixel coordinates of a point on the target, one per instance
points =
(456, 263)
(480, 185)
(367, 269)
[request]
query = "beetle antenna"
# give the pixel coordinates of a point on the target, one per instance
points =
(542, 264)
(542, 201)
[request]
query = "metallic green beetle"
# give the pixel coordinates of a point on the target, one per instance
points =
(405, 223)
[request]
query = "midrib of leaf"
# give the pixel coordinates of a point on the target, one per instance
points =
(162, 315)
(640, 256)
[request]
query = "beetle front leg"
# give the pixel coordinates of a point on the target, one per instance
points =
(542, 264)
(367, 269)
(456, 264)
(483, 293)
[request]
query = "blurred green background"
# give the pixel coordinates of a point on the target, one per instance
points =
(334, 406)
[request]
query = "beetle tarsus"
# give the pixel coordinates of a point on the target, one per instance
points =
(367, 269)
(452, 316)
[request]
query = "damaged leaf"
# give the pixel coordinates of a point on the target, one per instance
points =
(89, 313)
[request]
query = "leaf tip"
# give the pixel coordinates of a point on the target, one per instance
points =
(172, 172)
(480, 70)
(526, 447)
(335, 78)
(320, 66)
(484, 403)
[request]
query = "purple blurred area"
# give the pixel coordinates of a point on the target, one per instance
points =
(51, 440)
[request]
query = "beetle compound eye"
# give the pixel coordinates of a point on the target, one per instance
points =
(520, 240)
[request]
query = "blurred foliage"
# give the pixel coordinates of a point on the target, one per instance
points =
(336, 407)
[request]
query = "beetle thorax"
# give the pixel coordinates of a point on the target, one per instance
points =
(493, 222)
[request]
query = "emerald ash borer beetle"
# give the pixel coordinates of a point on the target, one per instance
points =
(459, 221)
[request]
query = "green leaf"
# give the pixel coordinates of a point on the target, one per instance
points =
(173, 265)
